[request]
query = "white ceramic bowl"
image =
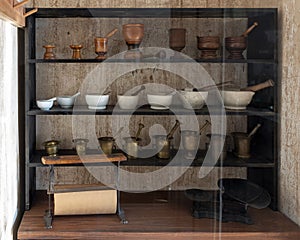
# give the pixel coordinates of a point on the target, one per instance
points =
(65, 101)
(128, 102)
(44, 105)
(236, 100)
(159, 102)
(193, 100)
(96, 102)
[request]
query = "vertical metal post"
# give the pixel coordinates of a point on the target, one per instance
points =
(120, 211)
(48, 217)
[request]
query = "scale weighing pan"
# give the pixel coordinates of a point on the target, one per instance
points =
(246, 192)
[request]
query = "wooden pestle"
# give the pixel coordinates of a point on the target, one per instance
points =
(111, 33)
(245, 34)
(260, 86)
(170, 135)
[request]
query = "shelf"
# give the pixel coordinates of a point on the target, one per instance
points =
(152, 12)
(86, 159)
(153, 60)
(230, 161)
(146, 110)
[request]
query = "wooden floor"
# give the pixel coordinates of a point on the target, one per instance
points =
(158, 215)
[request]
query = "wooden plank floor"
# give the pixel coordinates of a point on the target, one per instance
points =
(158, 215)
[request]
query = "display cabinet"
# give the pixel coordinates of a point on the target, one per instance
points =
(260, 61)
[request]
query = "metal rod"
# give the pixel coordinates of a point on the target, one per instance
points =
(170, 135)
(206, 124)
(48, 213)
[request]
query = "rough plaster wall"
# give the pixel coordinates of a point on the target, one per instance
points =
(9, 148)
(290, 135)
(289, 187)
